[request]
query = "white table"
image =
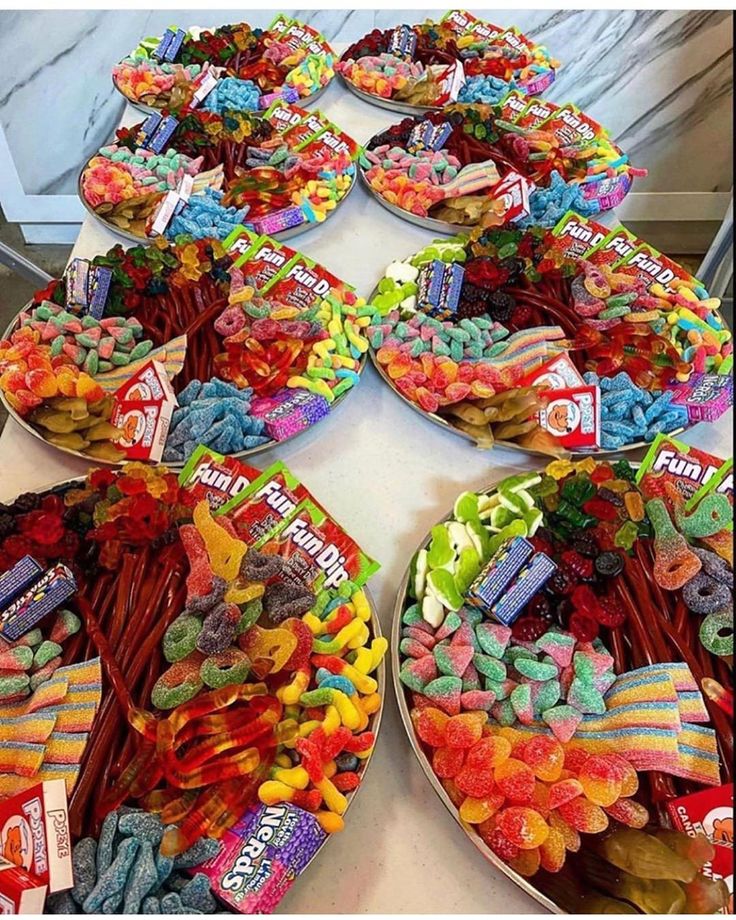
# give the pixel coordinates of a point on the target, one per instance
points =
(387, 475)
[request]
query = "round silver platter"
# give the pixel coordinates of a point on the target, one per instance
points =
(510, 445)
(380, 673)
(150, 109)
(172, 464)
(144, 240)
(393, 105)
(401, 699)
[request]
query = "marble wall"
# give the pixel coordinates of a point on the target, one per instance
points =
(660, 80)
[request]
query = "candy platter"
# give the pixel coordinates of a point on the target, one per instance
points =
(84, 634)
(289, 59)
(470, 330)
(427, 648)
(154, 323)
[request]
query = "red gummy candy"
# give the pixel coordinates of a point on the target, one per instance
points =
(431, 726)
(447, 762)
(515, 780)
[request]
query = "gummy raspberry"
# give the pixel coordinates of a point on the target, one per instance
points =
(585, 545)
(529, 628)
(501, 305)
(576, 565)
(539, 606)
(541, 544)
(583, 627)
(610, 612)
(560, 582)
(522, 315)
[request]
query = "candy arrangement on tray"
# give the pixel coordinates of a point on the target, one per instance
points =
(289, 60)
(472, 165)
(414, 67)
(564, 646)
(144, 353)
(207, 170)
(192, 663)
(576, 339)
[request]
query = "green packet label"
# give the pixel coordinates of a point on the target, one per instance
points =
(318, 554)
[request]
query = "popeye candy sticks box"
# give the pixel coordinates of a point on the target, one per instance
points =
(34, 833)
(20, 892)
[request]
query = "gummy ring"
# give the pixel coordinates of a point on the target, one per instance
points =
(230, 322)
(609, 564)
(714, 565)
(180, 639)
(704, 594)
(179, 684)
(716, 633)
(260, 566)
(595, 284)
(229, 667)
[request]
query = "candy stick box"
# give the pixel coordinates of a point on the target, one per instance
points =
(573, 416)
(34, 834)
(144, 425)
(20, 892)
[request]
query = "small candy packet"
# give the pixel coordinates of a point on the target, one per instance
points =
(301, 283)
(144, 424)
(572, 127)
(461, 21)
(284, 115)
(705, 396)
(512, 106)
(558, 373)
(513, 191)
(262, 856)
(259, 258)
(573, 236)
(675, 471)
(330, 142)
(34, 831)
(215, 477)
(573, 416)
(615, 247)
(439, 286)
(20, 892)
(149, 383)
(279, 25)
(300, 36)
(312, 123)
(654, 268)
(45, 595)
(535, 113)
(403, 42)
(265, 503)
(318, 554)
(18, 579)
(289, 411)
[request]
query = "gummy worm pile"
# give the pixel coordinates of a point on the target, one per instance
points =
(484, 165)
(289, 59)
(233, 353)
(522, 335)
(274, 171)
(235, 677)
(416, 64)
(566, 642)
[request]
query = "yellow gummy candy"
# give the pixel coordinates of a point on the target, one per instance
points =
(225, 552)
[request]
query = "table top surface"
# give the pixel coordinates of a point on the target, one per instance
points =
(387, 475)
